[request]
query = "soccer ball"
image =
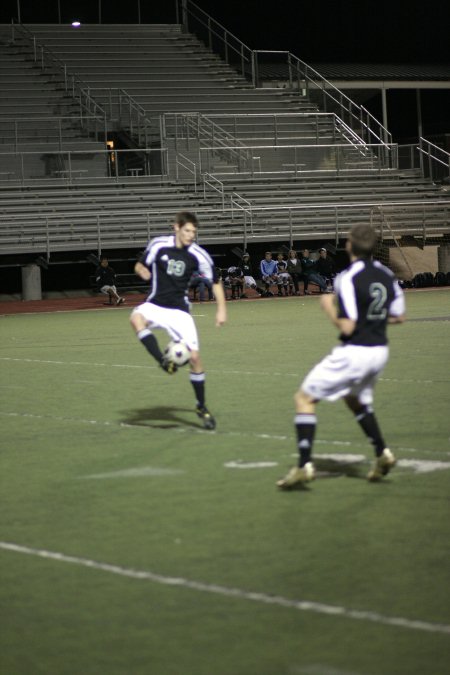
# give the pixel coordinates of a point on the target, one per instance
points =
(178, 352)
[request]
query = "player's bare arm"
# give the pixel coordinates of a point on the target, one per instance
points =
(396, 319)
(328, 304)
(142, 271)
(221, 313)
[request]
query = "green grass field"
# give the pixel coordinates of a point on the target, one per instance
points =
(134, 542)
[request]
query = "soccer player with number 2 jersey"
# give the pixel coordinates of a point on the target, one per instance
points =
(367, 298)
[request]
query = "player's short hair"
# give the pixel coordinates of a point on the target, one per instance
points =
(363, 239)
(267, 253)
(184, 217)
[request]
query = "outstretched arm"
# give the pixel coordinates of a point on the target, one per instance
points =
(221, 313)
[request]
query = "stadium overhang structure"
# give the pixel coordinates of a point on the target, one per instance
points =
(363, 80)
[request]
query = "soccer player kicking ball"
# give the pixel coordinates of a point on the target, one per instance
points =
(367, 298)
(169, 262)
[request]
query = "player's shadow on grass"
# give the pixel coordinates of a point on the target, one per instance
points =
(331, 468)
(159, 417)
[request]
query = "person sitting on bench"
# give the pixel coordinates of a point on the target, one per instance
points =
(105, 278)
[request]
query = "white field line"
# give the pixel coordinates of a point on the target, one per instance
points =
(136, 472)
(84, 309)
(251, 373)
(199, 430)
(238, 593)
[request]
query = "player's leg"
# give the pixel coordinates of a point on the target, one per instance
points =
(361, 406)
(360, 401)
(366, 419)
(140, 320)
(329, 380)
(197, 379)
(305, 425)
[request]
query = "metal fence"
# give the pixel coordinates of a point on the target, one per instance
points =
(53, 166)
(432, 161)
(238, 222)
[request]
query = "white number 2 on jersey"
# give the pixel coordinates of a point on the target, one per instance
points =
(377, 310)
(176, 267)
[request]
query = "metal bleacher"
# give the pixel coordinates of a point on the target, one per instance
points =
(256, 163)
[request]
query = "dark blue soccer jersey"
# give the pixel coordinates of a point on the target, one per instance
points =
(172, 268)
(368, 293)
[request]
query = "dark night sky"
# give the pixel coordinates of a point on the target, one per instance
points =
(344, 30)
(367, 30)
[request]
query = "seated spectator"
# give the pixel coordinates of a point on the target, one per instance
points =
(235, 279)
(309, 273)
(249, 280)
(294, 269)
(283, 277)
(105, 278)
(200, 283)
(268, 269)
(325, 266)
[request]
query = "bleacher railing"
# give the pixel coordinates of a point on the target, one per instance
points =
(432, 161)
(23, 131)
(304, 77)
(122, 107)
(124, 110)
(217, 37)
(191, 130)
(229, 128)
(92, 229)
(435, 161)
(307, 80)
(194, 132)
(51, 165)
(72, 84)
(187, 164)
(294, 159)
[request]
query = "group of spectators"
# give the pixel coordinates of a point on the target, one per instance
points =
(284, 274)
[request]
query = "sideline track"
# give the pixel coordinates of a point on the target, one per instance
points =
(240, 594)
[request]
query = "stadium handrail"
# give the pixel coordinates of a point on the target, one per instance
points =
(311, 77)
(102, 230)
(81, 89)
(436, 158)
(70, 155)
(381, 159)
(55, 120)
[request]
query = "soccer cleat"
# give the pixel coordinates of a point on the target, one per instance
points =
(208, 420)
(120, 301)
(382, 466)
(297, 476)
(169, 366)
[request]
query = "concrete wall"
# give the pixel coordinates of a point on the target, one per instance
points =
(410, 260)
